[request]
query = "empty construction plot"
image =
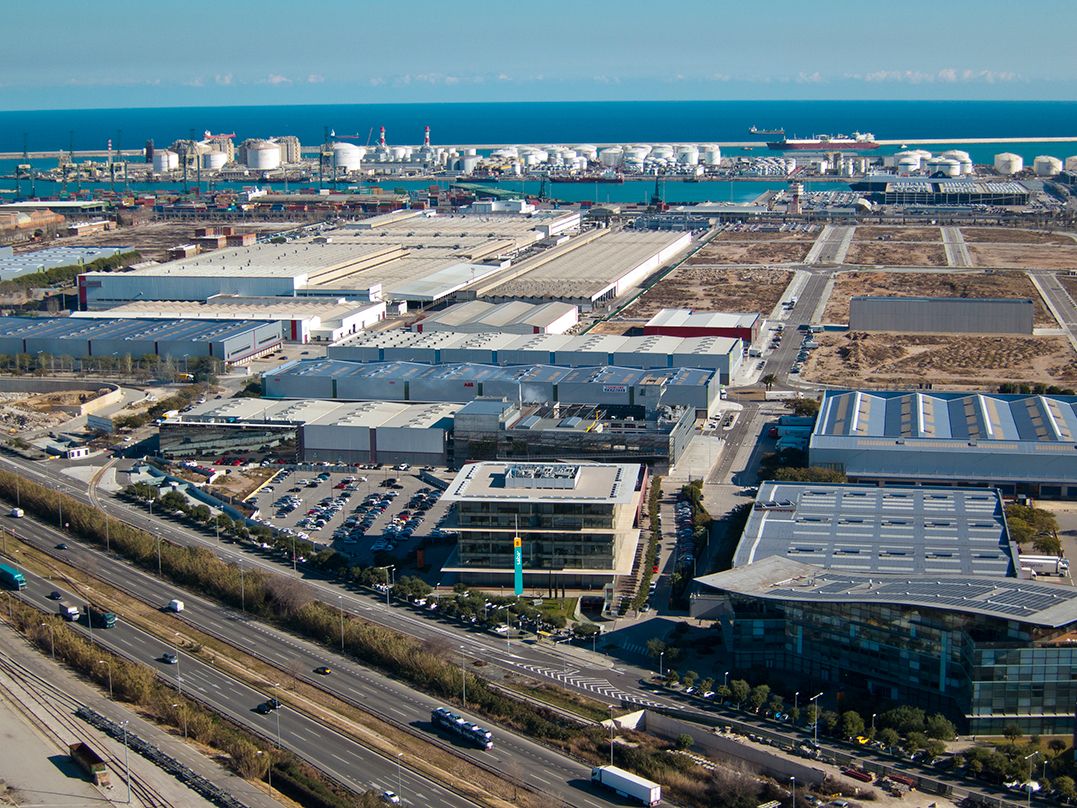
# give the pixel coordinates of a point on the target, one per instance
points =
(1013, 235)
(933, 284)
(1025, 256)
(858, 359)
(896, 254)
(894, 233)
(755, 247)
(712, 289)
(153, 240)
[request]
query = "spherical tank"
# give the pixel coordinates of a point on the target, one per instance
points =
(214, 160)
(263, 155)
(347, 157)
(1009, 163)
(165, 160)
(1046, 166)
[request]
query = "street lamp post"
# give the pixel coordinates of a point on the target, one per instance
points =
(661, 666)
(277, 714)
(725, 679)
(108, 665)
(242, 592)
(269, 769)
(873, 724)
(815, 724)
(179, 676)
(793, 792)
(612, 708)
(399, 777)
(340, 602)
(387, 570)
(158, 555)
(1028, 786)
(796, 701)
(463, 678)
(126, 767)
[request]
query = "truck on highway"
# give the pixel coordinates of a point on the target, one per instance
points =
(459, 726)
(98, 618)
(1044, 564)
(90, 762)
(627, 784)
(67, 611)
(11, 577)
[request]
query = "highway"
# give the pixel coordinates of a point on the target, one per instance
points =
(351, 764)
(514, 756)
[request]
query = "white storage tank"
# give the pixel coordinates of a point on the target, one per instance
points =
(710, 155)
(950, 167)
(1071, 164)
(263, 155)
(611, 157)
(165, 160)
(688, 155)
(213, 160)
(588, 151)
(1046, 166)
(663, 151)
(1009, 163)
(908, 161)
(468, 163)
(347, 157)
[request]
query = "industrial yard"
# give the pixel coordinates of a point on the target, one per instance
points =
(891, 233)
(1025, 255)
(857, 359)
(1013, 235)
(911, 253)
(21, 413)
(933, 284)
(747, 246)
(706, 288)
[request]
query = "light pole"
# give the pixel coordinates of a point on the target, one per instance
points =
(108, 665)
(277, 714)
(815, 723)
(183, 710)
(796, 701)
(158, 555)
(463, 678)
(108, 547)
(661, 666)
(387, 569)
(340, 601)
(269, 769)
(1028, 786)
(612, 708)
(52, 639)
(873, 724)
(242, 592)
(126, 767)
(399, 777)
(793, 792)
(179, 677)
(725, 679)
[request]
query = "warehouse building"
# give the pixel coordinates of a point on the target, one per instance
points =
(498, 429)
(14, 265)
(941, 315)
(302, 319)
(987, 651)
(695, 388)
(688, 323)
(578, 523)
(444, 347)
(231, 342)
(591, 270)
(369, 432)
(1017, 443)
(516, 317)
(894, 190)
(899, 595)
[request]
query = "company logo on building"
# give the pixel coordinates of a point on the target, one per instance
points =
(615, 388)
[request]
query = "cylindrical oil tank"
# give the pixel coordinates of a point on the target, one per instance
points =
(264, 155)
(1046, 166)
(662, 151)
(213, 160)
(468, 163)
(1009, 163)
(688, 155)
(611, 157)
(710, 155)
(949, 167)
(399, 153)
(165, 160)
(587, 150)
(1071, 164)
(347, 157)
(908, 165)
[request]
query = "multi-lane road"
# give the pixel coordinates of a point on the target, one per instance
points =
(548, 772)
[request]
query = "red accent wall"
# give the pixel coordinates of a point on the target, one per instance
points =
(746, 334)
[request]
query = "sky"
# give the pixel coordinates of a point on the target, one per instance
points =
(130, 53)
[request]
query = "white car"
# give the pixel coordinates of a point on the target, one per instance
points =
(390, 797)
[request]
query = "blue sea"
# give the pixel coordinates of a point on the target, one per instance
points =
(562, 122)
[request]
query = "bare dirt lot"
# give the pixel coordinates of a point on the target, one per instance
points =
(764, 235)
(21, 412)
(1012, 235)
(617, 328)
(886, 360)
(710, 289)
(876, 233)
(1068, 283)
(766, 251)
(1025, 256)
(897, 253)
(933, 284)
(154, 239)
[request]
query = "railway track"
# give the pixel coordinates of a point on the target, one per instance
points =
(27, 688)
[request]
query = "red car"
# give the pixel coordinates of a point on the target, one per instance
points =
(654, 570)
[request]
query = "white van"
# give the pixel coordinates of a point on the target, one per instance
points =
(175, 605)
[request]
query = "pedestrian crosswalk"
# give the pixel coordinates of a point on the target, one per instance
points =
(602, 687)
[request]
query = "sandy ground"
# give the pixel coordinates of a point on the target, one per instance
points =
(1068, 283)
(900, 360)
(1010, 235)
(763, 235)
(897, 253)
(877, 233)
(240, 482)
(1025, 256)
(21, 412)
(772, 251)
(934, 284)
(616, 328)
(711, 289)
(154, 239)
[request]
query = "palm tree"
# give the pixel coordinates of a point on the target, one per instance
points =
(769, 380)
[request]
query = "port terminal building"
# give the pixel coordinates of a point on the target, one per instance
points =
(1019, 444)
(578, 522)
(721, 354)
(896, 596)
(334, 379)
(229, 341)
(302, 319)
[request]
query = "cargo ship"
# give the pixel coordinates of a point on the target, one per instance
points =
(860, 141)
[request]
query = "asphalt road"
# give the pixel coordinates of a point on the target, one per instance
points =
(547, 771)
(345, 760)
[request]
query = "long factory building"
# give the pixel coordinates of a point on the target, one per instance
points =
(232, 341)
(337, 379)
(1020, 444)
(721, 354)
(897, 595)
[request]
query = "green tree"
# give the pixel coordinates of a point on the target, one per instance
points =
(805, 406)
(656, 647)
(758, 696)
(768, 380)
(724, 693)
(830, 720)
(851, 724)
(690, 678)
(888, 736)
(776, 703)
(1011, 732)
(685, 741)
(810, 474)
(915, 741)
(738, 691)
(1065, 786)
(904, 719)
(706, 685)
(938, 726)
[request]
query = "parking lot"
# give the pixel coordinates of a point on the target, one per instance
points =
(359, 513)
